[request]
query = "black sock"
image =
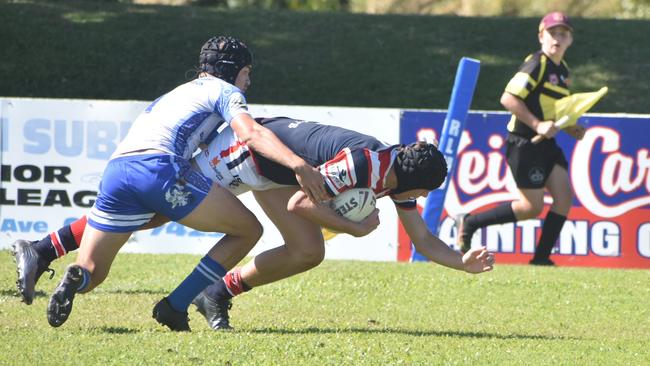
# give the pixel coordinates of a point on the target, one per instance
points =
(45, 249)
(219, 290)
(498, 215)
(550, 232)
(56, 244)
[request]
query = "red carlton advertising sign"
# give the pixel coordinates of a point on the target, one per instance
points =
(609, 222)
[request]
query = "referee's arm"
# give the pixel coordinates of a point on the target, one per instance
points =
(517, 107)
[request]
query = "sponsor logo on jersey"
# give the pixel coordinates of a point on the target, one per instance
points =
(177, 197)
(343, 174)
(295, 124)
(552, 78)
(565, 80)
(337, 175)
(214, 164)
(235, 182)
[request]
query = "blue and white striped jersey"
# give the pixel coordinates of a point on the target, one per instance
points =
(190, 115)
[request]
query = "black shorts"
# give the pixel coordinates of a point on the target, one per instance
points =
(531, 164)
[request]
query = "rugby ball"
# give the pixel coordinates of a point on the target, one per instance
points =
(354, 204)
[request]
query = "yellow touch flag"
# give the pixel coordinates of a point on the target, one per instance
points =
(575, 105)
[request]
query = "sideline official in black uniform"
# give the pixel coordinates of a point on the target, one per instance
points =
(530, 96)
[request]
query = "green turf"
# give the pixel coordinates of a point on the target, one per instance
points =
(344, 312)
(86, 49)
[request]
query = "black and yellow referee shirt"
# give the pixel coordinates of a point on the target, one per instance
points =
(539, 82)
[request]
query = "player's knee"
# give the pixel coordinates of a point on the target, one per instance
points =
(529, 211)
(562, 205)
(312, 260)
(561, 208)
(298, 203)
(308, 257)
(247, 226)
(259, 230)
(254, 230)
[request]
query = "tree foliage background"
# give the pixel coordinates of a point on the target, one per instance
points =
(627, 9)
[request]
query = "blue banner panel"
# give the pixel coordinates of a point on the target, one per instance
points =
(609, 223)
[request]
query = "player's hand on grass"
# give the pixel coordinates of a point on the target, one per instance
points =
(547, 129)
(577, 131)
(478, 260)
(312, 183)
(367, 225)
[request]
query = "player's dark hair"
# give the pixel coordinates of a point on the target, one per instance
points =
(224, 57)
(419, 165)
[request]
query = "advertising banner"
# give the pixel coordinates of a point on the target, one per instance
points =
(609, 222)
(53, 152)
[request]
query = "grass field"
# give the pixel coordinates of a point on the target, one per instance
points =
(343, 312)
(109, 50)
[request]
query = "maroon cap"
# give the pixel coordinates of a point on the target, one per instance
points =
(554, 19)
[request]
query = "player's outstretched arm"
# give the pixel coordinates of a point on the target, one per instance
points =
(325, 216)
(478, 260)
(266, 143)
(474, 261)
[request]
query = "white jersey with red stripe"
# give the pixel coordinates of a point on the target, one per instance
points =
(229, 163)
(358, 168)
(362, 168)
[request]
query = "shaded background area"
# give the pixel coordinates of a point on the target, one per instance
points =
(113, 50)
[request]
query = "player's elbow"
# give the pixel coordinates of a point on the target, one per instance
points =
(292, 207)
(256, 139)
(249, 137)
(511, 102)
(506, 100)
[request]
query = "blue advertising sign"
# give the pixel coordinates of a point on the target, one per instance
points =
(609, 223)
